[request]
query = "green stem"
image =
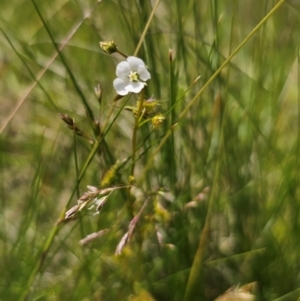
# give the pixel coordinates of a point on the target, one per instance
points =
(172, 105)
(146, 28)
(135, 129)
(134, 148)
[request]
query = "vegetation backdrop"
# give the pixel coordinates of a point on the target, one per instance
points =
(203, 198)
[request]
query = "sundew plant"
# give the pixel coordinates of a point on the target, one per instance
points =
(150, 150)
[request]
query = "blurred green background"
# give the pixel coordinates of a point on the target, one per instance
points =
(230, 170)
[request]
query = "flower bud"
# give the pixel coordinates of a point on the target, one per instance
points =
(108, 47)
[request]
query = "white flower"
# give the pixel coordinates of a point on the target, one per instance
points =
(131, 76)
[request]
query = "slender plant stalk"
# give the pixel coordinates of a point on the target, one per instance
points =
(172, 105)
(146, 28)
(135, 129)
(76, 159)
(298, 140)
(134, 149)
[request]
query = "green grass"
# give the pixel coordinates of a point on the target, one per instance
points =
(215, 189)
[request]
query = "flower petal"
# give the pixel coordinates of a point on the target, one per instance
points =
(120, 86)
(135, 87)
(123, 70)
(143, 73)
(135, 62)
(131, 76)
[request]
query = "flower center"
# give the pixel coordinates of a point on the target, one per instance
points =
(133, 76)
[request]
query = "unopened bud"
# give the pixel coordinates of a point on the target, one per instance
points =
(170, 55)
(98, 93)
(108, 47)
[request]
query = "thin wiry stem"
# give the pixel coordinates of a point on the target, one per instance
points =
(172, 105)
(134, 149)
(146, 28)
(134, 134)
